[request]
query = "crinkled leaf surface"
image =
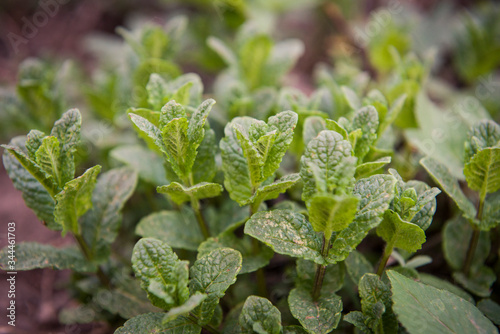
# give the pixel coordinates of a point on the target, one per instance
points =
(212, 275)
(151, 323)
(181, 194)
(483, 134)
(321, 316)
(286, 232)
(400, 233)
(273, 190)
(443, 311)
(260, 316)
(365, 119)
(75, 199)
(149, 131)
(482, 172)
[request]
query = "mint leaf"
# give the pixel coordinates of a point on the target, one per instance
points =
(444, 312)
(171, 227)
(357, 265)
(260, 316)
(482, 172)
(400, 233)
(332, 281)
(196, 132)
(32, 255)
(273, 190)
(482, 135)
(318, 164)
(181, 194)
(163, 276)
(368, 168)
(286, 232)
(252, 56)
(329, 213)
(375, 193)
(212, 275)
(100, 225)
(152, 323)
(204, 167)
(47, 157)
(449, 184)
(149, 132)
(170, 111)
(185, 308)
(365, 119)
(319, 317)
(179, 154)
(74, 200)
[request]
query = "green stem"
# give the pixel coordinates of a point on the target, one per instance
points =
(320, 271)
(88, 255)
(209, 328)
(474, 240)
(195, 204)
(385, 257)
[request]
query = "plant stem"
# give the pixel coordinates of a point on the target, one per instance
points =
(320, 271)
(207, 327)
(385, 257)
(195, 204)
(474, 240)
(88, 255)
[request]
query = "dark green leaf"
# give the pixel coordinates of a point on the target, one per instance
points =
(260, 316)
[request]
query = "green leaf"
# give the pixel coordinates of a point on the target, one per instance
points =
(35, 195)
(100, 225)
(151, 323)
(329, 213)
(319, 317)
(484, 134)
(375, 193)
(177, 146)
(358, 319)
(351, 98)
(204, 167)
(193, 302)
(254, 159)
(365, 119)
(234, 164)
(332, 281)
(212, 275)
(47, 157)
(313, 125)
(285, 122)
(457, 234)
(156, 89)
(46, 180)
(163, 276)
(357, 265)
(67, 131)
(482, 172)
(170, 111)
(146, 163)
(245, 245)
(444, 285)
(335, 126)
(490, 309)
(368, 168)
(176, 229)
(260, 316)
(33, 142)
(318, 164)
(32, 255)
(273, 190)
(74, 200)
(195, 130)
(400, 233)
(181, 194)
(444, 312)
(149, 131)
(478, 282)
(253, 55)
(223, 51)
(286, 232)
(449, 184)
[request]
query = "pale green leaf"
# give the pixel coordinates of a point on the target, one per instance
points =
(319, 317)
(32, 255)
(253, 55)
(400, 233)
(351, 98)
(260, 316)
(318, 164)
(212, 275)
(204, 167)
(195, 131)
(181, 194)
(273, 190)
(335, 126)
(47, 157)
(223, 51)
(33, 142)
(286, 232)
(313, 125)
(449, 184)
(149, 130)
(365, 119)
(163, 276)
(176, 229)
(170, 111)
(368, 168)
(185, 308)
(482, 135)
(101, 224)
(75, 199)
(156, 89)
(177, 147)
(330, 213)
(482, 172)
(443, 311)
